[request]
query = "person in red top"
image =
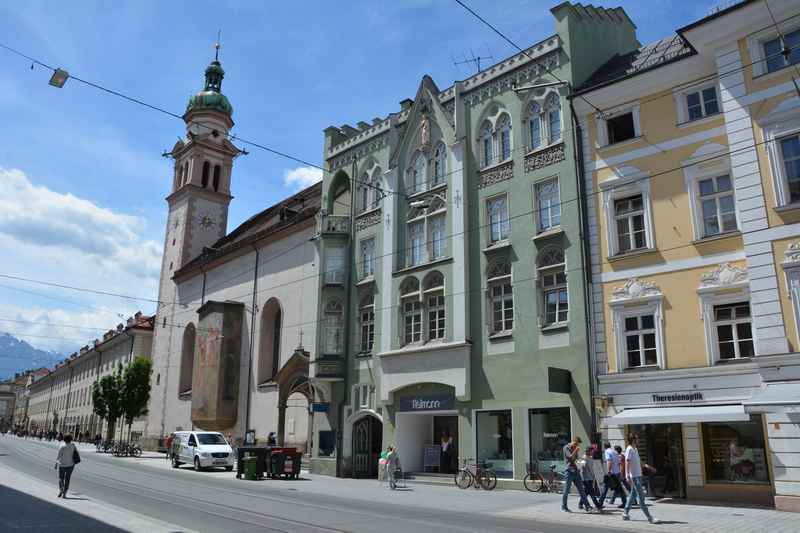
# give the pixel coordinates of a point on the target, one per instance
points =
(169, 446)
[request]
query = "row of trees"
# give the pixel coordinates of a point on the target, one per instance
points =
(123, 395)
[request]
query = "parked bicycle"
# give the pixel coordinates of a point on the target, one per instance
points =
(535, 481)
(126, 449)
(478, 474)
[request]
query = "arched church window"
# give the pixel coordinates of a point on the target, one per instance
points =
(206, 170)
(217, 170)
(187, 359)
(269, 352)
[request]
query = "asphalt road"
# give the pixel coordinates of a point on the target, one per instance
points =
(216, 504)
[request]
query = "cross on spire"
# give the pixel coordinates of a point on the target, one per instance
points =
(217, 45)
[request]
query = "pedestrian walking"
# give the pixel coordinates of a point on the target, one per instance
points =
(633, 471)
(391, 466)
(613, 478)
(271, 440)
(66, 460)
(571, 453)
(586, 470)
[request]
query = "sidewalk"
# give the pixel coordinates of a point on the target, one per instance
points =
(32, 505)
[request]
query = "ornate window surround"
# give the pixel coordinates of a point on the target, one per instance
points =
(634, 298)
(791, 270)
(544, 102)
(701, 166)
(494, 119)
(725, 284)
(628, 181)
(783, 121)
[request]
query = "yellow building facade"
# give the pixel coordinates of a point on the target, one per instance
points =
(691, 168)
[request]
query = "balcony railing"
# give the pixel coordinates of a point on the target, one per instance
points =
(327, 223)
(329, 368)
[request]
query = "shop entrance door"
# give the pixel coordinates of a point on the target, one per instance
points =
(447, 425)
(661, 446)
(367, 440)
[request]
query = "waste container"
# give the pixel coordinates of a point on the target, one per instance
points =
(250, 466)
(261, 455)
(285, 463)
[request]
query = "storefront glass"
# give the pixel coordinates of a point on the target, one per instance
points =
(735, 452)
(494, 440)
(549, 433)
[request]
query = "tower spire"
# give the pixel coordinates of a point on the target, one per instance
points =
(217, 45)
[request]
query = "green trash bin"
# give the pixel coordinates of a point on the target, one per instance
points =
(250, 467)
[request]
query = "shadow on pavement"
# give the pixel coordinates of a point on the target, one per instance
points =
(24, 512)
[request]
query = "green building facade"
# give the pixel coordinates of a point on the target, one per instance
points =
(452, 249)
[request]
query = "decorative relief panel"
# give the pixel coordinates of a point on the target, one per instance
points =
(365, 149)
(635, 289)
(368, 219)
(544, 158)
(792, 255)
(505, 83)
(722, 276)
(496, 174)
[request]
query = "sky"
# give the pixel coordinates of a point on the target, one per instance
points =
(82, 179)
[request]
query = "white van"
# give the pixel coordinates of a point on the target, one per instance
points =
(203, 449)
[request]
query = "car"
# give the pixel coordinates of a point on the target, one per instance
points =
(202, 449)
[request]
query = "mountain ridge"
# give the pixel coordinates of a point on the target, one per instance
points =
(17, 355)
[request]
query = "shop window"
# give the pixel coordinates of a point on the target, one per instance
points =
(495, 441)
(734, 331)
(735, 452)
(550, 431)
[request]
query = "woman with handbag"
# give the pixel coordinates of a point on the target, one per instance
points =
(68, 457)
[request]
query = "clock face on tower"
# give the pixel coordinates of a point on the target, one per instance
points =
(206, 221)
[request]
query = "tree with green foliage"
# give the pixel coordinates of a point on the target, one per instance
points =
(111, 391)
(99, 406)
(135, 392)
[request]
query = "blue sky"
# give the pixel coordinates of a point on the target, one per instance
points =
(82, 182)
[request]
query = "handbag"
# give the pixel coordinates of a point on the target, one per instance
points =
(76, 457)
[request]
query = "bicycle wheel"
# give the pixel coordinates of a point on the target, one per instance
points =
(463, 479)
(488, 479)
(533, 482)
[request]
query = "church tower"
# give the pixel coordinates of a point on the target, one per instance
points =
(198, 218)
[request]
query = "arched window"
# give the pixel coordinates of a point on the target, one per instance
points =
(553, 106)
(187, 359)
(504, 133)
(217, 170)
(419, 173)
(500, 297)
(363, 193)
(439, 164)
(206, 170)
(334, 327)
(552, 277)
(487, 144)
(535, 126)
(269, 351)
(435, 305)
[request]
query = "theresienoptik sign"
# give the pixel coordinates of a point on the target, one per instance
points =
(427, 402)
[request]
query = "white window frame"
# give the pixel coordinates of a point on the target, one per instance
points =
(637, 306)
(412, 299)
(332, 326)
(682, 104)
(547, 110)
(413, 186)
(755, 45)
(718, 291)
(489, 221)
(335, 254)
(439, 163)
(367, 327)
(693, 174)
(487, 133)
(630, 183)
(432, 219)
(363, 245)
(416, 222)
(602, 125)
(791, 272)
(490, 284)
(543, 270)
(537, 207)
(786, 124)
(535, 116)
(441, 310)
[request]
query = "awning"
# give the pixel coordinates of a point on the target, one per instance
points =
(676, 415)
(776, 394)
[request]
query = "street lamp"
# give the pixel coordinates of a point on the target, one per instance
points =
(59, 78)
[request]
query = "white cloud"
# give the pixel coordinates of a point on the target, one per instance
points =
(301, 177)
(62, 238)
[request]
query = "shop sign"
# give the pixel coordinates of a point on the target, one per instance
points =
(427, 402)
(678, 397)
